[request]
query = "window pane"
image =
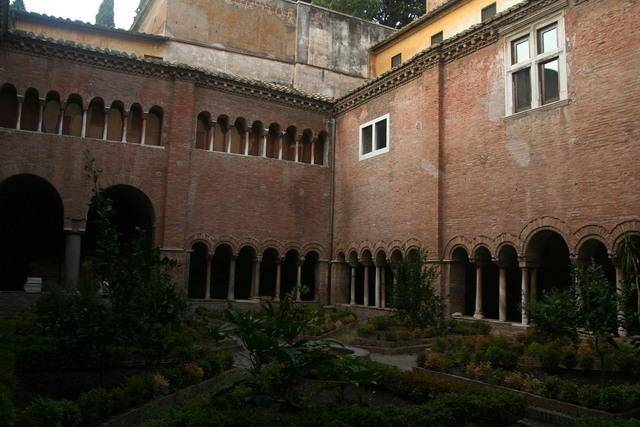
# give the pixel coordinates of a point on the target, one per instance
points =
(522, 90)
(550, 81)
(520, 51)
(367, 139)
(488, 12)
(548, 39)
(381, 134)
(437, 38)
(396, 60)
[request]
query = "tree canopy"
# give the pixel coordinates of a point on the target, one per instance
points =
(18, 5)
(105, 14)
(392, 13)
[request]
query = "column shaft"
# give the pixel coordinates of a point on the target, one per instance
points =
(255, 283)
(619, 291)
(299, 282)
(125, 125)
(377, 296)
(212, 133)
(232, 279)
(83, 131)
(533, 285)
(276, 297)
(383, 288)
(72, 258)
(478, 313)
(525, 294)
(105, 129)
(41, 117)
(61, 120)
(19, 120)
(352, 286)
(366, 285)
(246, 143)
(144, 130)
(503, 294)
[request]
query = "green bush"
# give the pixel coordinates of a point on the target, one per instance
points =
(95, 405)
(140, 389)
(421, 359)
(625, 358)
(417, 386)
(7, 410)
(390, 336)
(569, 357)
(586, 360)
(550, 356)
(551, 387)
(486, 408)
(603, 422)
(501, 354)
(215, 363)
(54, 413)
(589, 395)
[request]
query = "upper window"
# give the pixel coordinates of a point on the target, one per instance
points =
(488, 12)
(396, 60)
(437, 38)
(374, 137)
(536, 71)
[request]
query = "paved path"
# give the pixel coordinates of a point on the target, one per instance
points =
(404, 362)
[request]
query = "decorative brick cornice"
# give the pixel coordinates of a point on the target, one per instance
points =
(465, 43)
(28, 43)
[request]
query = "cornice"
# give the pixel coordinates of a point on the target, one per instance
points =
(465, 43)
(30, 44)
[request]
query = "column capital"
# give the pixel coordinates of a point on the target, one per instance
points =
(300, 261)
(75, 225)
(366, 263)
(379, 263)
(20, 98)
(353, 264)
(258, 258)
(235, 255)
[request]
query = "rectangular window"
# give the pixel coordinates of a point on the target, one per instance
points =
(396, 60)
(536, 72)
(437, 38)
(374, 137)
(488, 12)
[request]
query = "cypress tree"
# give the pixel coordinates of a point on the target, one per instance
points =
(105, 14)
(18, 5)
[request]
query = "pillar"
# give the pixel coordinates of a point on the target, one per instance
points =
(263, 149)
(313, 150)
(212, 129)
(299, 279)
(255, 282)
(297, 156)
(352, 285)
(83, 131)
(105, 130)
(525, 293)
(478, 313)
(41, 117)
(20, 104)
(503, 294)
(125, 121)
(61, 118)
(366, 283)
(207, 290)
(280, 138)
(144, 128)
(378, 287)
(246, 143)
(72, 253)
(228, 135)
(278, 277)
(232, 278)
(383, 288)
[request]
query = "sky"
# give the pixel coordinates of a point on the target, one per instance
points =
(84, 10)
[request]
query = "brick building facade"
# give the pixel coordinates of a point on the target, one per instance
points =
(263, 186)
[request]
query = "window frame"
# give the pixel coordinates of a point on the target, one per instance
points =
(374, 152)
(399, 59)
(533, 63)
(486, 8)
(439, 34)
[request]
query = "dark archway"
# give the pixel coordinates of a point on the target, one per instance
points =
(244, 273)
(95, 119)
(8, 106)
(134, 124)
(73, 116)
(203, 129)
(153, 131)
(51, 115)
(462, 286)
(289, 272)
(549, 250)
(220, 272)
(30, 119)
(309, 274)
(31, 232)
(268, 273)
(594, 251)
(198, 271)
(490, 282)
(508, 259)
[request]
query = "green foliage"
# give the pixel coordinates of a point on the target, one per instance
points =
(7, 377)
(554, 316)
(215, 363)
(54, 413)
(550, 356)
(603, 422)
(105, 14)
(95, 405)
(502, 355)
(392, 13)
(630, 300)
(18, 5)
(414, 294)
(619, 398)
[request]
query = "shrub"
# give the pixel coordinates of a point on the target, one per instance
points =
(140, 389)
(56, 413)
(551, 387)
(501, 354)
(439, 345)
(193, 373)
(437, 361)
(215, 363)
(604, 422)
(366, 331)
(390, 336)
(586, 358)
(589, 395)
(417, 386)
(626, 359)
(7, 410)
(405, 335)
(421, 359)
(569, 357)
(550, 356)
(95, 405)
(483, 408)
(481, 370)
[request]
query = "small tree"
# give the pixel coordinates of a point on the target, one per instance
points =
(414, 294)
(554, 316)
(105, 14)
(630, 300)
(18, 5)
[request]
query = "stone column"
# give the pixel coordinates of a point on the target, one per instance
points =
(383, 288)
(246, 143)
(619, 291)
(478, 313)
(299, 279)
(265, 135)
(378, 287)
(352, 284)
(207, 291)
(366, 264)
(61, 118)
(232, 278)
(524, 268)
(280, 142)
(255, 283)
(41, 117)
(72, 253)
(125, 121)
(297, 156)
(278, 277)
(83, 130)
(212, 132)
(144, 128)
(503, 293)
(228, 143)
(105, 130)
(20, 104)
(313, 154)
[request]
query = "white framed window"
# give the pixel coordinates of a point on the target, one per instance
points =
(374, 137)
(536, 71)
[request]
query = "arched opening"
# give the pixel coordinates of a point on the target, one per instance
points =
(268, 273)
(382, 266)
(255, 139)
(594, 251)
(390, 271)
(203, 131)
(273, 141)
(153, 132)
(8, 106)
(52, 109)
(310, 275)
(134, 124)
(549, 253)
(289, 144)
(342, 276)
(95, 119)
(72, 122)
(30, 111)
(368, 279)
(490, 282)
(134, 218)
(305, 146)
(116, 121)
(244, 273)
(289, 272)
(462, 286)
(319, 149)
(238, 136)
(198, 271)
(508, 259)
(220, 132)
(220, 272)
(31, 232)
